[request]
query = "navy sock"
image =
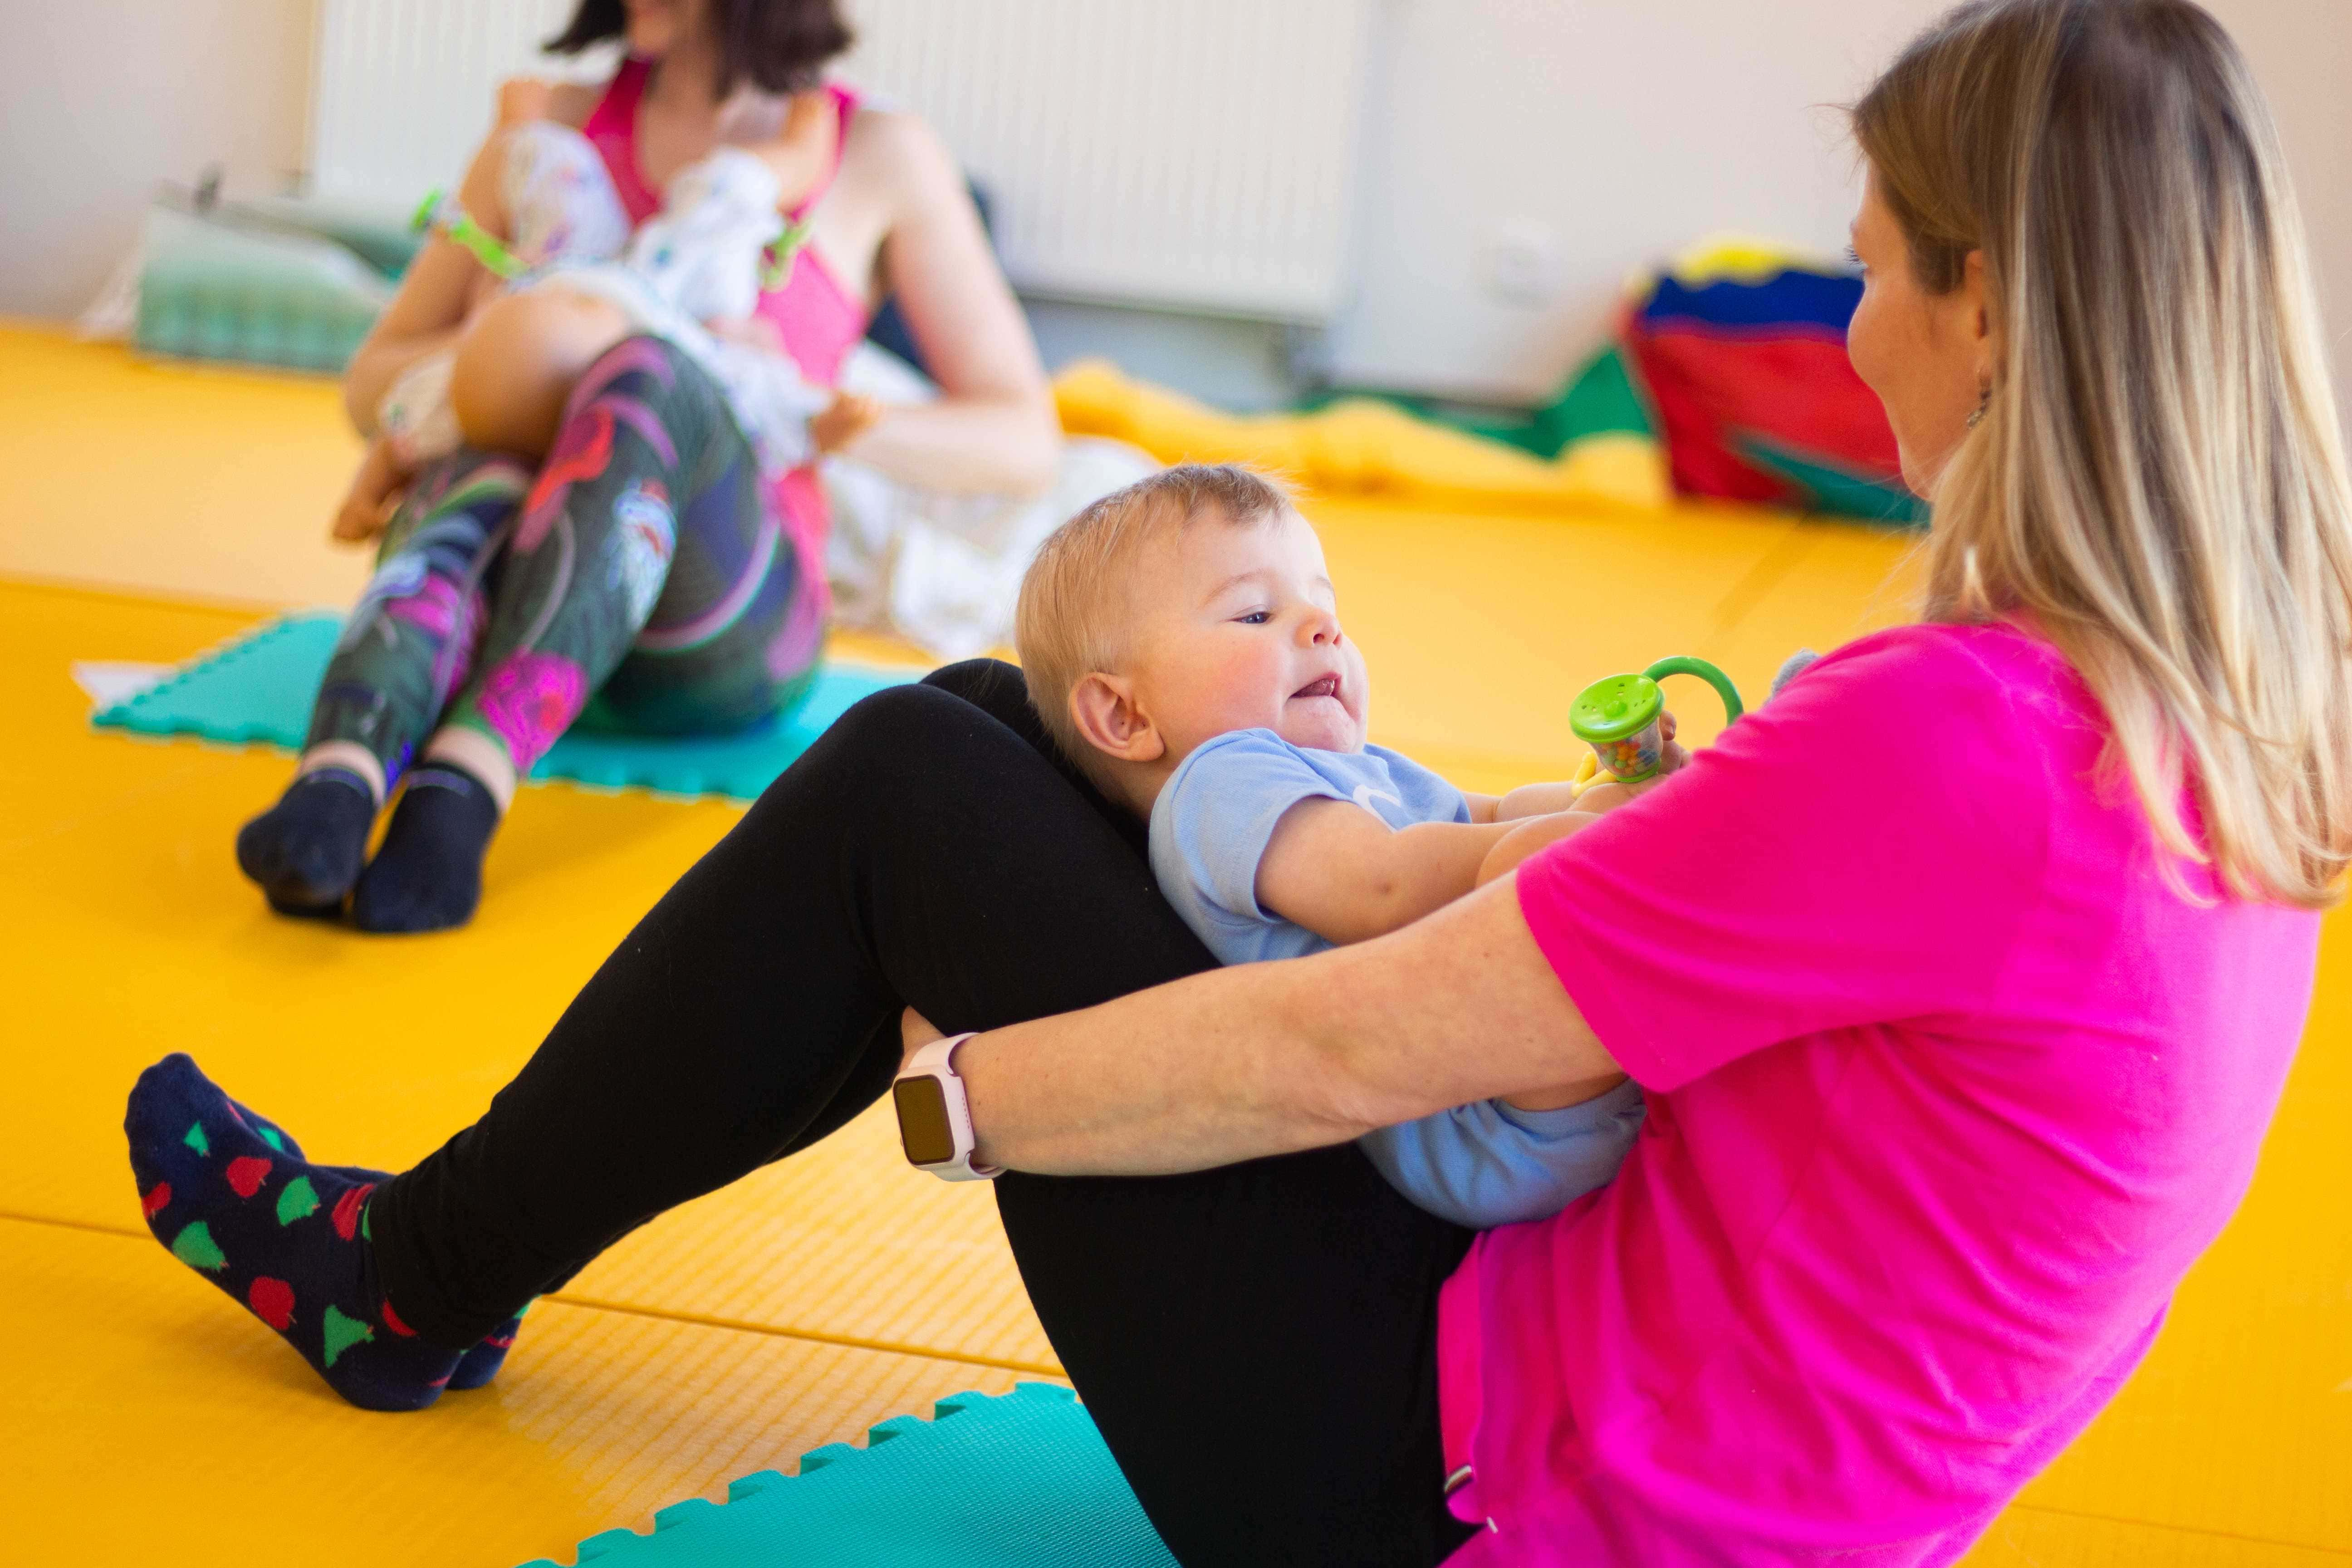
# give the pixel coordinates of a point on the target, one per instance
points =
(481, 1363)
(477, 1365)
(427, 876)
(306, 852)
(285, 1237)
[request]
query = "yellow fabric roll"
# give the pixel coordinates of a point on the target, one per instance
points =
(1359, 445)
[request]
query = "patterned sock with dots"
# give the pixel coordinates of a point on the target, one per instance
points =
(229, 1194)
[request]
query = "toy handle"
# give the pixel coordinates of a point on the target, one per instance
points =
(1682, 665)
(439, 214)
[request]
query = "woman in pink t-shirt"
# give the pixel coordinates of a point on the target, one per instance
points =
(1962, 978)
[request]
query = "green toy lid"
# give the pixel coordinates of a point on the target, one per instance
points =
(1613, 708)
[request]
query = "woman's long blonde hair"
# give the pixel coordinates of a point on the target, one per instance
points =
(2159, 480)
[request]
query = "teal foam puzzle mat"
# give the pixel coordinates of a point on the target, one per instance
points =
(258, 689)
(1013, 1481)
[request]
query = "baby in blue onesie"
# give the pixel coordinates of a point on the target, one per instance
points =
(1181, 641)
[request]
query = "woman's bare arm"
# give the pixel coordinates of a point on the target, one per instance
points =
(1264, 1059)
(993, 429)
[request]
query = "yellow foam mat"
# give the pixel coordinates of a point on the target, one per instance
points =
(143, 1421)
(2038, 1538)
(816, 1297)
(225, 493)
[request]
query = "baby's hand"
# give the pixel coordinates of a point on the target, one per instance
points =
(850, 416)
(374, 496)
(1608, 794)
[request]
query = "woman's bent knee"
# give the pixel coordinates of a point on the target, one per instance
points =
(916, 724)
(517, 361)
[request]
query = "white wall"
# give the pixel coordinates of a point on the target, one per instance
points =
(1567, 143)
(2302, 51)
(1563, 143)
(103, 97)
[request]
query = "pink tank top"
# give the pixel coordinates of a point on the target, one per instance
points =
(819, 319)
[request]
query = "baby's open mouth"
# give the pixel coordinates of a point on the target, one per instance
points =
(1328, 686)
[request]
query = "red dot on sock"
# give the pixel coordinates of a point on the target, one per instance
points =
(347, 1211)
(152, 1203)
(246, 1173)
(272, 1301)
(391, 1321)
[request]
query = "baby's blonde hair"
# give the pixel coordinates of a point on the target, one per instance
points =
(1072, 617)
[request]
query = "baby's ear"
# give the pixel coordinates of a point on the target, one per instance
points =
(1103, 708)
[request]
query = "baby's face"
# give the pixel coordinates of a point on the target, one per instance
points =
(1236, 628)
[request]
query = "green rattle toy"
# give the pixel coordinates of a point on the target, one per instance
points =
(439, 214)
(1618, 718)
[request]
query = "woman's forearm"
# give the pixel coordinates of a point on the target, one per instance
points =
(1266, 1058)
(967, 445)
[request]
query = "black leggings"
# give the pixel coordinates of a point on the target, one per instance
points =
(1257, 1343)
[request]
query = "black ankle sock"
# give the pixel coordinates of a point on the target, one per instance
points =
(306, 852)
(428, 874)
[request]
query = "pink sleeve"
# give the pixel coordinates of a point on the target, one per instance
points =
(1861, 850)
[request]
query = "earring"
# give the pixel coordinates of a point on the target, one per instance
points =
(1975, 415)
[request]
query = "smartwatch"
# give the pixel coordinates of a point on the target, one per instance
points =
(934, 1118)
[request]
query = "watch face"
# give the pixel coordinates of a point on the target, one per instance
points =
(923, 1125)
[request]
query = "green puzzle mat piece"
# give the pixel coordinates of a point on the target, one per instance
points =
(1013, 1481)
(260, 687)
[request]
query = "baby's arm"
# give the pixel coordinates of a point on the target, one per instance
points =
(1523, 838)
(1534, 800)
(1347, 876)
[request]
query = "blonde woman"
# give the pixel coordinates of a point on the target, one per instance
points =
(1962, 978)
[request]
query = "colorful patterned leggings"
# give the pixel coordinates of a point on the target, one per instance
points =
(641, 568)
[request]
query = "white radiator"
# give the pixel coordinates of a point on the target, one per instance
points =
(1201, 155)
(405, 89)
(1198, 154)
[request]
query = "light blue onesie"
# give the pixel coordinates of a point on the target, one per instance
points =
(1481, 1165)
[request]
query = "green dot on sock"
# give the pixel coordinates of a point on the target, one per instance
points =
(196, 1139)
(366, 1235)
(342, 1332)
(195, 1247)
(269, 1136)
(297, 1202)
